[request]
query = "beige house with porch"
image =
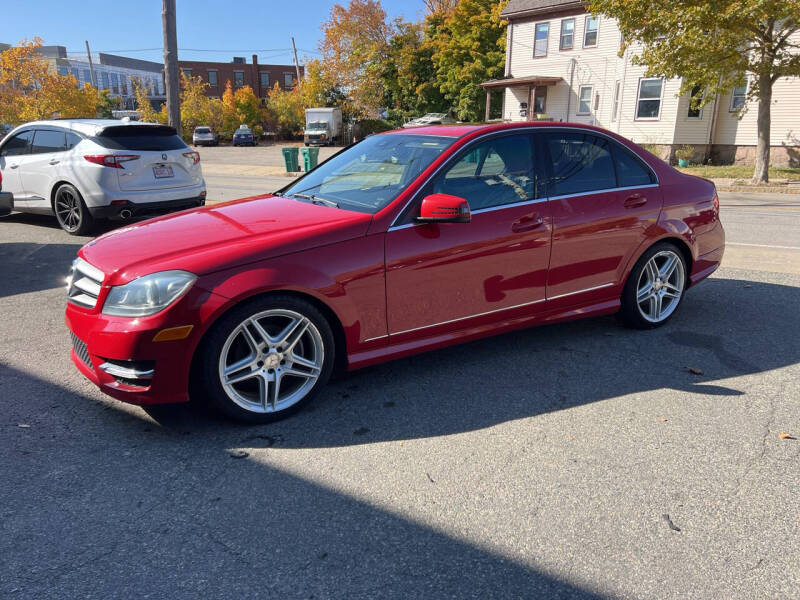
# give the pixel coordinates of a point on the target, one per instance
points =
(562, 64)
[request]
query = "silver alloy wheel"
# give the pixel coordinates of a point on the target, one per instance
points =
(660, 286)
(68, 209)
(271, 360)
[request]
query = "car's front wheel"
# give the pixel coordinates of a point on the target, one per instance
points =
(655, 287)
(71, 211)
(267, 357)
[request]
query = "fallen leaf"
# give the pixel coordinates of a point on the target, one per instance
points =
(239, 454)
(786, 436)
(431, 479)
(694, 370)
(662, 420)
(24, 426)
(748, 286)
(670, 524)
(572, 437)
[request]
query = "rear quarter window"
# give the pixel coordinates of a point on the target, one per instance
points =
(143, 138)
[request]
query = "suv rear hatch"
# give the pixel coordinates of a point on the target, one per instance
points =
(156, 158)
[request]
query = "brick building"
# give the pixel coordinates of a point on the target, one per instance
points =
(259, 77)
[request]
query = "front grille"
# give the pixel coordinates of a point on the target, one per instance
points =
(83, 283)
(80, 349)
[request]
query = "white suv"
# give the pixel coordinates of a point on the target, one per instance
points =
(85, 169)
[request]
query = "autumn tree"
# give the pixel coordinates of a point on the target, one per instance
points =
(30, 90)
(146, 111)
(468, 48)
(286, 109)
(354, 46)
(718, 45)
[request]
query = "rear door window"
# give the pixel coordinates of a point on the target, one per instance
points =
(73, 139)
(19, 144)
(142, 138)
(48, 140)
(630, 170)
(582, 163)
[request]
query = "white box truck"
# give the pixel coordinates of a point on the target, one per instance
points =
(323, 126)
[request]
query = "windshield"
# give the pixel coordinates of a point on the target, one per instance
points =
(202, 130)
(243, 130)
(369, 175)
(318, 125)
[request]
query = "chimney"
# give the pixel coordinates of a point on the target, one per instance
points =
(255, 59)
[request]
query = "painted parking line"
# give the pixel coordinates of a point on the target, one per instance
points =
(763, 246)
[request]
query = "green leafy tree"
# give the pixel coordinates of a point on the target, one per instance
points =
(469, 48)
(716, 44)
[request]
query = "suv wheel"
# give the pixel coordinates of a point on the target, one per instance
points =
(71, 211)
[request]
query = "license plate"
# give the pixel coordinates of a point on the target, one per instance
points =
(162, 172)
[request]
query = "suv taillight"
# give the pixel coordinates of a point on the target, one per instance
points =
(111, 160)
(193, 156)
(716, 201)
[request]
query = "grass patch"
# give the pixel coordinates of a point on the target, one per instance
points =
(739, 172)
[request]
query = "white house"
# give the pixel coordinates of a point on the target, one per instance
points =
(562, 64)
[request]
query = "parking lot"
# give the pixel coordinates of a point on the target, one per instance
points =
(580, 460)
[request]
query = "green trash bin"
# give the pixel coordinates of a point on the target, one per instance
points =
(310, 158)
(290, 157)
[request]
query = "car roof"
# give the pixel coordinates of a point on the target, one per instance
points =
(85, 126)
(460, 130)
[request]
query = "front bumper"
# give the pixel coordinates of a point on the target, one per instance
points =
(121, 357)
(146, 209)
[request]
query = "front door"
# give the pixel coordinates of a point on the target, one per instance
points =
(446, 276)
(603, 201)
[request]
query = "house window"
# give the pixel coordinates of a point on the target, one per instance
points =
(87, 76)
(567, 34)
(238, 78)
(695, 113)
(288, 80)
(648, 103)
(187, 72)
(114, 83)
(738, 97)
(63, 71)
(585, 100)
(104, 80)
(264, 79)
(540, 43)
(615, 106)
(212, 78)
(590, 32)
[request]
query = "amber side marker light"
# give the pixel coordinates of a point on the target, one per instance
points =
(173, 333)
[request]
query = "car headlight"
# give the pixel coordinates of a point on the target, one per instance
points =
(148, 295)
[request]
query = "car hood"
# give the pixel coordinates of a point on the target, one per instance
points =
(211, 238)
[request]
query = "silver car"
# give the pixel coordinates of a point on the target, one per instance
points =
(204, 136)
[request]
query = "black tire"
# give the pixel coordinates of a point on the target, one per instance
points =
(216, 340)
(71, 211)
(631, 312)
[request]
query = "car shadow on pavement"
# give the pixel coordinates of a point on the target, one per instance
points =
(109, 504)
(725, 328)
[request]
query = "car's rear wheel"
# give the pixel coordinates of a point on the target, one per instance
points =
(71, 211)
(268, 357)
(655, 287)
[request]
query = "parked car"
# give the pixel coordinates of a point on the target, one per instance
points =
(6, 200)
(403, 242)
(87, 169)
(430, 119)
(244, 136)
(204, 136)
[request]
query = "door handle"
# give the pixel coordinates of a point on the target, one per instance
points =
(13, 166)
(635, 200)
(527, 223)
(54, 161)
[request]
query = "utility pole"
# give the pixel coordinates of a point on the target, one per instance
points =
(296, 66)
(91, 65)
(171, 64)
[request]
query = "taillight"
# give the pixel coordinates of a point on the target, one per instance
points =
(195, 156)
(716, 202)
(111, 160)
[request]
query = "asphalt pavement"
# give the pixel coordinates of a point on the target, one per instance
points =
(580, 460)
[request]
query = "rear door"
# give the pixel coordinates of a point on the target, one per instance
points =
(151, 157)
(603, 200)
(14, 152)
(41, 168)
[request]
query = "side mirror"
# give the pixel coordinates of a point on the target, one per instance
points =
(444, 208)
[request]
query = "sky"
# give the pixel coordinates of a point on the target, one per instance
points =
(213, 30)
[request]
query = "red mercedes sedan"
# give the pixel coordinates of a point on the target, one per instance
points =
(404, 242)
